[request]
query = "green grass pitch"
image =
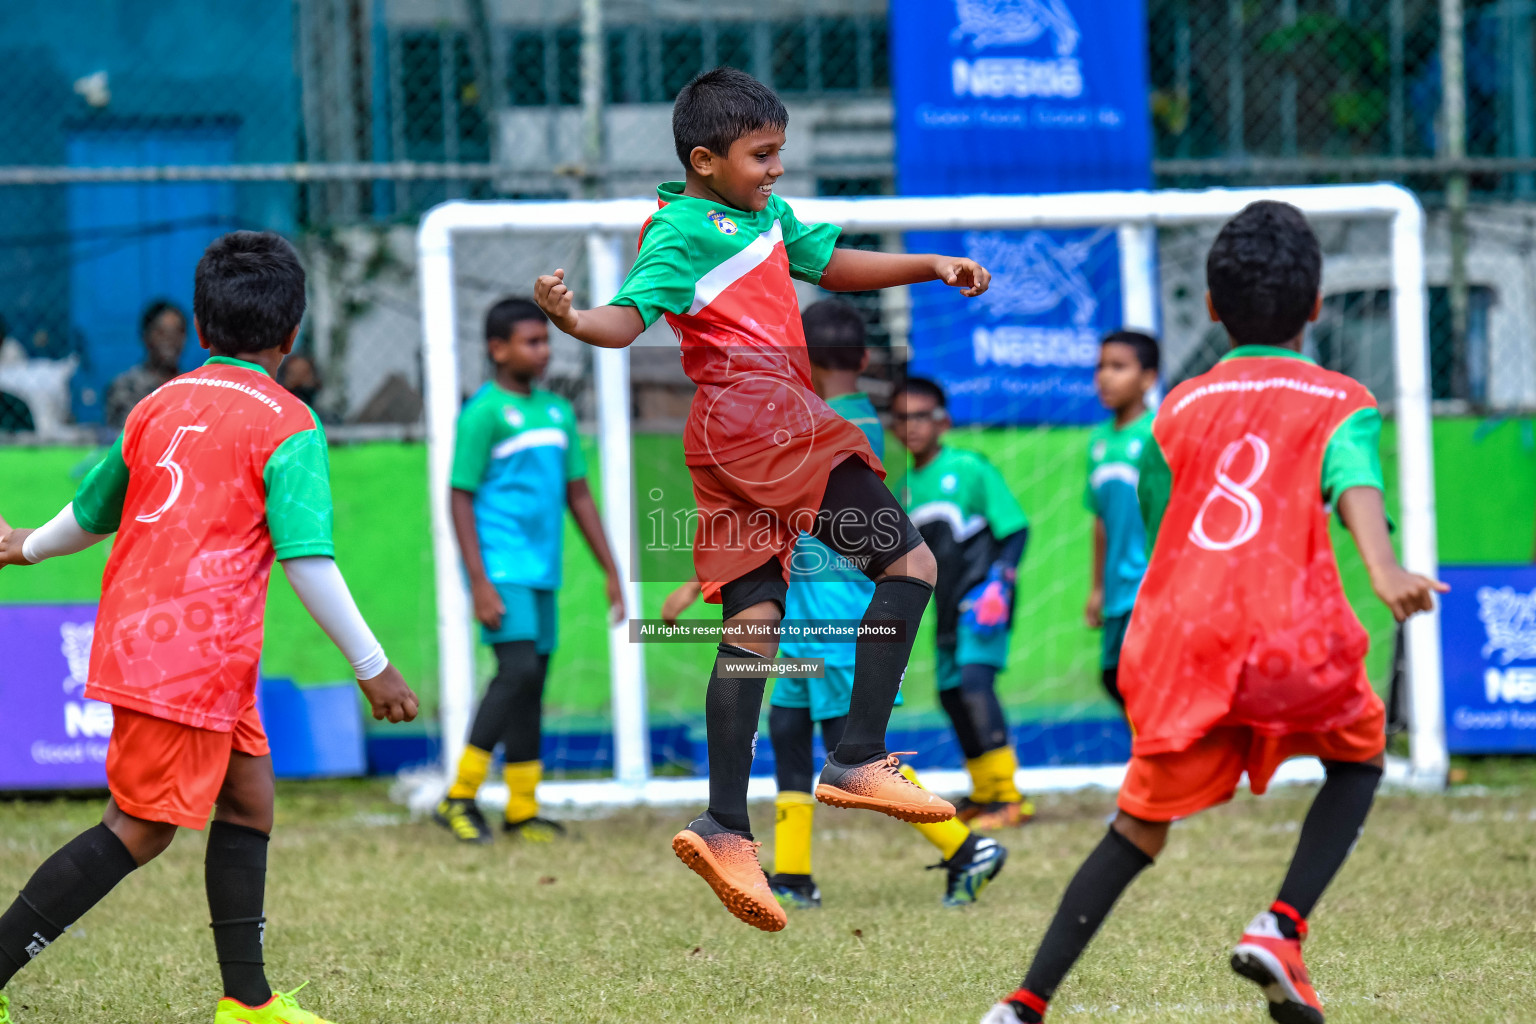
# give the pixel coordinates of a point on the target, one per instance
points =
(392, 922)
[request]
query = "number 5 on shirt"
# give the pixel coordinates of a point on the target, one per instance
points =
(168, 460)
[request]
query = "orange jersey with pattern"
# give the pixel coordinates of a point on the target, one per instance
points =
(179, 630)
(1242, 618)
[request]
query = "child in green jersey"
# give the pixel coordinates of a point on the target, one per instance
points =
(517, 466)
(1128, 364)
(769, 459)
(976, 529)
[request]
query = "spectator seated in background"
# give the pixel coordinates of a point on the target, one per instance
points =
(163, 329)
(301, 376)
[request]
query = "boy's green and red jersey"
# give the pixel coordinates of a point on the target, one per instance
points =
(218, 472)
(722, 278)
(1242, 618)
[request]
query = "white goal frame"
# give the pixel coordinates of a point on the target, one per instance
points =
(1136, 215)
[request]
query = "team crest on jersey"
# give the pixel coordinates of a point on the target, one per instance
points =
(1099, 450)
(554, 414)
(1134, 449)
(722, 223)
(513, 417)
(948, 482)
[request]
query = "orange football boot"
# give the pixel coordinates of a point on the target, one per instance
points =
(878, 785)
(727, 860)
(1273, 962)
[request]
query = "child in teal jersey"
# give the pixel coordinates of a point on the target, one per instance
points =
(517, 466)
(1128, 365)
(975, 527)
(768, 458)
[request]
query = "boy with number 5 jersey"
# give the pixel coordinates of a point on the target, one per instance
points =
(218, 472)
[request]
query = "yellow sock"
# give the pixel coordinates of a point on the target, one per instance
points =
(999, 768)
(981, 780)
(949, 835)
(793, 813)
(522, 780)
(472, 769)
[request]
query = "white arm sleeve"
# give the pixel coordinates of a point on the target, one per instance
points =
(319, 585)
(62, 535)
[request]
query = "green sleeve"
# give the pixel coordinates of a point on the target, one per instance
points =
(99, 501)
(575, 457)
(1004, 515)
(472, 441)
(809, 246)
(661, 281)
(1153, 488)
(299, 511)
(1353, 455)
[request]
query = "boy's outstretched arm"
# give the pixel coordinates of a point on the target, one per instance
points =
(63, 535)
(858, 270)
(1404, 592)
(578, 496)
(325, 596)
(604, 326)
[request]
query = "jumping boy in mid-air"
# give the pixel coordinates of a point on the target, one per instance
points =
(769, 459)
(217, 473)
(825, 590)
(1243, 650)
(517, 466)
(975, 526)
(1128, 362)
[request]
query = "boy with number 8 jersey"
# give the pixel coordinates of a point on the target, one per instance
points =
(1242, 650)
(218, 472)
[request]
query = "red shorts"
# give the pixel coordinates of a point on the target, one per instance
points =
(1162, 787)
(753, 508)
(161, 770)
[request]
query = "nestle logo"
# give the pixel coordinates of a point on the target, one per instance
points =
(91, 719)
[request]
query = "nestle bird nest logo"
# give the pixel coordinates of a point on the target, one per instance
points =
(722, 223)
(1509, 617)
(991, 23)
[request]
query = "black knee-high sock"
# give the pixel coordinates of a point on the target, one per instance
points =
(954, 704)
(731, 707)
(517, 685)
(1333, 824)
(235, 873)
(59, 893)
(791, 730)
(1109, 869)
(882, 653)
(978, 688)
(832, 730)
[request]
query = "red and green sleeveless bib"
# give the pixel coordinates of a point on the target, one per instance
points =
(1242, 619)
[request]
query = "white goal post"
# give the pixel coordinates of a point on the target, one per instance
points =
(606, 224)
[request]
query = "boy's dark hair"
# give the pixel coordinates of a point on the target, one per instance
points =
(1148, 353)
(834, 334)
(154, 309)
(720, 106)
(1264, 271)
(512, 310)
(248, 293)
(923, 388)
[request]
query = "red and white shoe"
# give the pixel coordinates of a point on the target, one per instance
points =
(1273, 962)
(1016, 1008)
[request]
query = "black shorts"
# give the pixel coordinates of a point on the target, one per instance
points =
(859, 518)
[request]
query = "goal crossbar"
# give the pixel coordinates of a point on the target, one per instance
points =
(606, 224)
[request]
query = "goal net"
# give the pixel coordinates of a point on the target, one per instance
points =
(624, 718)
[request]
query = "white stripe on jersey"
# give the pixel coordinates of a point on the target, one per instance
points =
(1114, 471)
(735, 268)
(948, 512)
(539, 437)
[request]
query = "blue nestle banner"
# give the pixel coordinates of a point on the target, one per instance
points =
(1011, 96)
(1488, 634)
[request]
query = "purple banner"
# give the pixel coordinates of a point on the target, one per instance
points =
(51, 737)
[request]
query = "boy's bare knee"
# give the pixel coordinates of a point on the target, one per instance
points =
(918, 563)
(248, 794)
(1147, 836)
(144, 840)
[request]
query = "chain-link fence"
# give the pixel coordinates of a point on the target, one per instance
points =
(132, 141)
